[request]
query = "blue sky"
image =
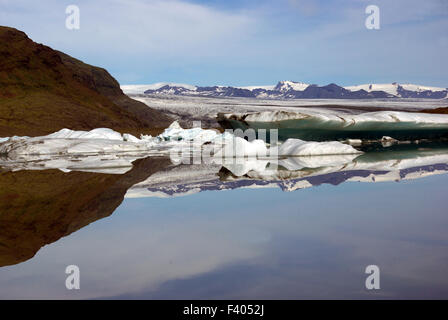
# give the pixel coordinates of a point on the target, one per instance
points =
(246, 42)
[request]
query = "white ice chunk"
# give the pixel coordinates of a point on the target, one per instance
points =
(99, 133)
(353, 142)
(176, 132)
(239, 147)
(297, 147)
(130, 138)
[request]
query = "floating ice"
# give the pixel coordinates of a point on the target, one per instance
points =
(100, 140)
(99, 148)
(353, 142)
(238, 147)
(130, 138)
(297, 147)
(105, 148)
(99, 133)
(176, 132)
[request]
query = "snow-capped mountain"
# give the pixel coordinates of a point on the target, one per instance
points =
(403, 90)
(285, 86)
(294, 90)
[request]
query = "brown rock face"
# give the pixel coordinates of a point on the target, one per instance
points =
(40, 207)
(43, 90)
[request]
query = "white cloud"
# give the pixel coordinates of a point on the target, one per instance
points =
(134, 26)
(312, 41)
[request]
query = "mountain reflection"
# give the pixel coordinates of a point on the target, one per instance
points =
(396, 163)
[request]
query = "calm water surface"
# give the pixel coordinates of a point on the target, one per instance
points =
(254, 243)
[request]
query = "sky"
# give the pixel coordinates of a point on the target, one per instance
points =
(246, 42)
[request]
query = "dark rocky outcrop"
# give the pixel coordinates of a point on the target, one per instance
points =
(43, 90)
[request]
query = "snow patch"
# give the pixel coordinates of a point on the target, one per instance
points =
(99, 133)
(284, 86)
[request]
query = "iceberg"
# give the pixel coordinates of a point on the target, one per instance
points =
(19, 147)
(233, 146)
(99, 133)
(177, 133)
(297, 147)
(105, 150)
(100, 140)
(101, 149)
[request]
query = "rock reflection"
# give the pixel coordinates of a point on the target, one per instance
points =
(39, 207)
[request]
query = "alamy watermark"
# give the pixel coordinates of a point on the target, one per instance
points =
(373, 19)
(73, 279)
(373, 280)
(73, 19)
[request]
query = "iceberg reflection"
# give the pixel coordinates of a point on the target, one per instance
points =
(399, 162)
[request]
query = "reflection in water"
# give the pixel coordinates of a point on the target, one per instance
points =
(40, 207)
(401, 162)
(260, 243)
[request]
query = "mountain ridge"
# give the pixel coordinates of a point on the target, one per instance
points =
(295, 90)
(43, 90)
